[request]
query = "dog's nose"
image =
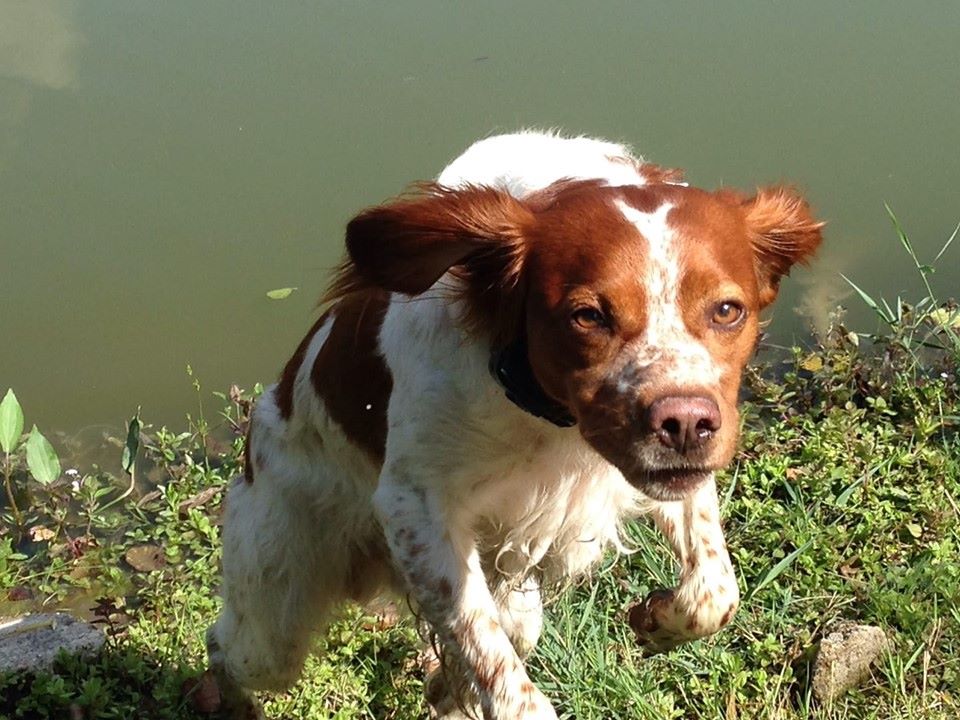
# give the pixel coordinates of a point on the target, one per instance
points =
(684, 423)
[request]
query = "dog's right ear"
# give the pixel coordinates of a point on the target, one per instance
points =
(407, 245)
(783, 232)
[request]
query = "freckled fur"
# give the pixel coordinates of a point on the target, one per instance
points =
(469, 505)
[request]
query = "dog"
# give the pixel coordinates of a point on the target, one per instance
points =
(515, 360)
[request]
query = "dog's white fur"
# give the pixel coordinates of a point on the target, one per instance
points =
(477, 501)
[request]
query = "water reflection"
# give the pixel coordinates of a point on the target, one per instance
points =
(164, 164)
(39, 42)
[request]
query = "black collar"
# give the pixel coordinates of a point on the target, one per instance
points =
(510, 367)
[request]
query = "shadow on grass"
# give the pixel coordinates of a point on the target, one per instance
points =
(117, 682)
(360, 672)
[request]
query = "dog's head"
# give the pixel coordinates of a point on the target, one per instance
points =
(638, 305)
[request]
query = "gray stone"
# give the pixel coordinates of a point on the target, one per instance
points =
(843, 661)
(31, 642)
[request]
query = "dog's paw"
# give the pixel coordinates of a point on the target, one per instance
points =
(225, 696)
(646, 619)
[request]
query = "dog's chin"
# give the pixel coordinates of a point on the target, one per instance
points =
(668, 483)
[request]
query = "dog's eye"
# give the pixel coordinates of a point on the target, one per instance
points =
(728, 313)
(588, 318)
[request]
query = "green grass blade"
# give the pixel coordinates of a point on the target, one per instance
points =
(904, 240)
(889, 310)
(844, 497)
(777, 570)
(871, 303)
(728, 495)
(947, 244)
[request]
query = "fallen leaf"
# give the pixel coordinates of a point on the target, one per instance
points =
(383, 618)
(149, 498)
(198, 500)
(281, 293)
(145, 558)
(848, 571)
(41, 533)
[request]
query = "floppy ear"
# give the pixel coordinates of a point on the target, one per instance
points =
(783, 232)
(407, 245)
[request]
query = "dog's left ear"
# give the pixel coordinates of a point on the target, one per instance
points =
(405, 246)
(783, 232)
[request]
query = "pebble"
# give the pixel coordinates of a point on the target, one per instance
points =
(843, 661)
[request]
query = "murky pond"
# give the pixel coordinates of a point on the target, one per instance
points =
(165, 164)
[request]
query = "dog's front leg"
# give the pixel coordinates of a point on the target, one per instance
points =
(707, 595)
(438, 558)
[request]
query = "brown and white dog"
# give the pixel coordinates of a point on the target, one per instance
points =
(515, 360)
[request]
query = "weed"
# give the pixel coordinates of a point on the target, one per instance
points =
(843, 504)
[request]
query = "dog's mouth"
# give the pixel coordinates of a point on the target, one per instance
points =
(668, 483)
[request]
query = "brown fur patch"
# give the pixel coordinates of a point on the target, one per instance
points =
(407, 245)
(783, 232)
(499, 671)
(654, 174)
(658, 174)
(283, 395)
(728, 615)
(351, 376)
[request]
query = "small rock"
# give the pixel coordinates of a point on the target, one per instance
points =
(31, 642)
(844, 658)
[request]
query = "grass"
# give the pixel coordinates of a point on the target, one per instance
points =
(843, 504)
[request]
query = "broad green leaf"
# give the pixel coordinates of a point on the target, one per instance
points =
(11, 422)
(843, 497)
(132, 445)
(281, 293)
(42, 458)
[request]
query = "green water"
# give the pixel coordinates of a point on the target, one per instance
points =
(164, 164)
